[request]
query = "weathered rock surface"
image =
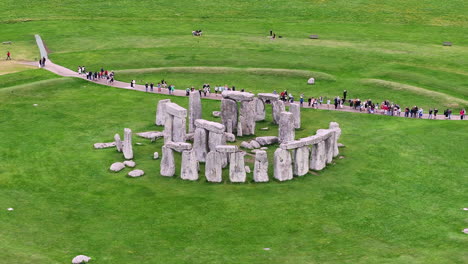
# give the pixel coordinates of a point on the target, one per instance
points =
(229, 137)
(329, 143)
(80, 259)
(195, 109)
(261, 166)
(247, 115)
(104, 145)
(153, 135)
(127, 144)
(259, 110)
(179, 127)
(301, 161)
(168, 126)
(156, 155)
(286, 127)
(167, 162)
(334, 126)
(268, 96)
(283, 165)
(318, 157)
(178, 146)
(226, 148)
(278, 108)
(295, 109)
(307, 141)
(210, 126)
(229, 115)
(237, 167)
(118, 143)
(265, 128)
(176, 110)
(161, 112)
(129, 163)
(200, 144)
(136, 173)
(267, 140)
(117, 166)
(189, 166)
(215, 139)
(246, 145)
(213, 170)
(238, 96)
(255, 144)
(311, 81)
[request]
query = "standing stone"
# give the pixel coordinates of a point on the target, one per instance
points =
(189, 166)
(261, 166)
(283, 165)
(278, 108)
(336, 127)
(200, 144)
(179, 129)
(247, 114)
(168, 120)
(239, 127)
(259, 109)
(213, 170)
(215, 139)
(161, 112)
(295, 109)
(286, 127)
(118, 142)
(229, 114)
(329, 146)
(195, 109)
(301, 161)
(317, 156)
(167, 162)
(127, 144)
(237, 167)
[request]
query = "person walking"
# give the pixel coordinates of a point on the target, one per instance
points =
(8, 55)
(151, 87)
(430, 114)
(345, 92)
(462, 114)
(43, 61)
(146, 86)
(301, 100)
(435, 113)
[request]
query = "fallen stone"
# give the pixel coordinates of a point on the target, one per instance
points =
(127, 144)
(213, 169)
(156, 155)
(237, 167)
(153, 135)
(216, 113)
(104, 145)
(283, 165)
(295, 109)
(210, 126)
(238, 96)
(195, 109)
(263, 148)
(311, 81)
(246, 145)
(161, 112)
(80, 259)
(286, 127)
(267, 140)
(117, 166)
(226, 148)
(167, 167)
(229, 137)
(139, 144)
(261, 167)
(341, 157)
(118, 143)
(176, 110)
(35, 104)
(178, 146)
(189, 166)
(129, 163)
(313, 36)
(265, 128)
(136, 173)
(247, 169)
(255, 144)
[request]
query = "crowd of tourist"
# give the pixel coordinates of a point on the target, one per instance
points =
(97, 75)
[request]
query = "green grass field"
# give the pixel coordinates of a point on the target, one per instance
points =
(395, 197)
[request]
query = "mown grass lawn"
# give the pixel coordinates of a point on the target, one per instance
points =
(396, 197)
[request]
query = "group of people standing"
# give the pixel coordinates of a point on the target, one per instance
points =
(42, 62)
(97, 75)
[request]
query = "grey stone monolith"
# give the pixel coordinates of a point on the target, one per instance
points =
(278, 108)
(189, 166)
(318, 159)
(286, 127)
(215, 139)
(200, 144)
(127, 147)
(168, 127)
(335, 127)
(167, 162)
(329, 143)
(195, 109)
(259, 109)
(301, 161)
(295, 109)
(237, 167)
(213, 169)
(179, 129)
(161, 112)
(283, 170)
(261, 166)
(118, 142)
(247, 114)
(229, 114)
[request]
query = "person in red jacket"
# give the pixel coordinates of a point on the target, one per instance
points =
(8, 56)
(462, 114)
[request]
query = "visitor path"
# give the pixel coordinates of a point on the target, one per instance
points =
(62, 71)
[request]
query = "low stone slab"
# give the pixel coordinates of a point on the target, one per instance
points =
(268, 96)
(229, 137)
(80, 259)
(210, 126)
(306, 141)
(178, 146)
(156, 155)
(246, 145)
(117, 166)
(129, 163)
(313, 36)
(151, 135)
(176, 110)
(226, 148)
(104, 145)
(255, 144)
(216, 113)
(238, 96)
(267, 140)
(136, 173)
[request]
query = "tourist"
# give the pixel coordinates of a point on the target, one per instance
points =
(309, 101)
(275, 92)
(344, 95)
(336, 102)
(187, 91)
(449, 113)
(420, 112)
(435, 113)
(462, 114)
(8, 55)
(43, 61)
(79, 70)
(146, 87)
(151, 87)
(328, 104)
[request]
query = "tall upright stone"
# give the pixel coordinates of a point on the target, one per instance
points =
(247, 115)
(213, 170)
(329, 143)
(286, 127)
(283, 170)
(278, 108)
(261, 166)
(237, 167)
(168, 127)
(301, 161)
(295, 109)
(335, 127)
(229, 114)
(195, 109)
(318, 159)
(167, 166)
(127, 144)
(200, 144)
(215, 139)
(161, 112)
(259, 109)
(118, 142)
(179, 129)
(189, 166)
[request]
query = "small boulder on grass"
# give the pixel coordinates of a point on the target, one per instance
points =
(156, 155)
(129, 163)
(80, 259)
(136, 173)
(117, 166)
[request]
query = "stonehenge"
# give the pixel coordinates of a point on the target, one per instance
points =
(174, 122)
(127, 147)
(240, 120)
(207, 136)
(286, 127)
(161, 112)
(261, 166)
(295, 109)
(195, 109)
